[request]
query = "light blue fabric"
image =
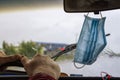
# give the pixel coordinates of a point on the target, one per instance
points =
(91, 42)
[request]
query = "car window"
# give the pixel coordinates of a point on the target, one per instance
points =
(53, 29)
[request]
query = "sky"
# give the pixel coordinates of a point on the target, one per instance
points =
(53, 25)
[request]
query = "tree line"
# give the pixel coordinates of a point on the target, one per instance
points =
(27, 48)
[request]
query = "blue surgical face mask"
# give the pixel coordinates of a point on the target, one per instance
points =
(91, 42)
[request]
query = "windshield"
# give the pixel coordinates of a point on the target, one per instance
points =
(52, 25)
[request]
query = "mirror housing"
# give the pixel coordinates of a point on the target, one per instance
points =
(90, 5)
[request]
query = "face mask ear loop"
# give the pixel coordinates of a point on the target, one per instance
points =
(80, 67)
(87, 14)
(101, 15)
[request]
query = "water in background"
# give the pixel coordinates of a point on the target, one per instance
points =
(111, 65)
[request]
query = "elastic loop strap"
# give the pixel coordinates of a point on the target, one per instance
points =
(79, 66)
(100, 14)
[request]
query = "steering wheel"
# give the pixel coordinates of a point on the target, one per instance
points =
(4, 71)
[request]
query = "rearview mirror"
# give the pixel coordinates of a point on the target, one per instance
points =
(90, 5)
